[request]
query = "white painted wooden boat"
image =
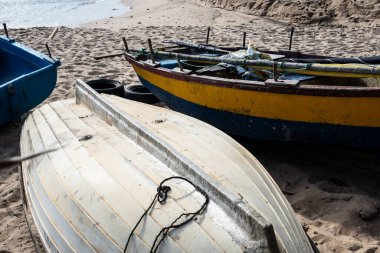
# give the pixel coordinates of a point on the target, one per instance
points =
(113, 154)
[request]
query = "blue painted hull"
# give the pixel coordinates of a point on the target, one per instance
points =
(27, 78)
(270, 129)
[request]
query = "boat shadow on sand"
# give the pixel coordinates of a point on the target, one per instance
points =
(329, 187)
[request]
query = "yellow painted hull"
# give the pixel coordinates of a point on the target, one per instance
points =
(351, 111)
(253, 109)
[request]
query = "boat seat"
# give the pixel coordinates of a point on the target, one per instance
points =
(169, 64)
(290, 83)
(187, 71)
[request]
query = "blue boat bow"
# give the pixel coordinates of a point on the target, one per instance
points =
(27, 78)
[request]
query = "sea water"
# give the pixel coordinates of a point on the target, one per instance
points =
(29, 13)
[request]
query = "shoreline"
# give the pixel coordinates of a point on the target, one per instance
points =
(55, 14)
(171, 13)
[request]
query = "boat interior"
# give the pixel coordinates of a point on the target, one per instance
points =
(228, 71)
(13, 67)
(15, 62)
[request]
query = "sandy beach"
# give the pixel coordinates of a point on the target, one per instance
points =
(334, 191)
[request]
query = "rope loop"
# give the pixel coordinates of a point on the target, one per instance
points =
(161, 196)
(162, 193)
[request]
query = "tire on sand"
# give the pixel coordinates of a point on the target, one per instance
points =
(140, 93)
(107, 86)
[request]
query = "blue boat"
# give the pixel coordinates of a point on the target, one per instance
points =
(27, 78)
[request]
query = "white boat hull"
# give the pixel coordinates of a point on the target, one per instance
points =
(113, 153)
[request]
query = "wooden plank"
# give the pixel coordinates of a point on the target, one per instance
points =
(237, 169)
(157, 172)
(138, 183)
(259, 232)
(55, 215)
(41, 221)
(72, 205)
(109, 190)
(50, 235)
(91, 201)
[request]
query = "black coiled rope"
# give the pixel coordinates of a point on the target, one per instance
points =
(161, 196)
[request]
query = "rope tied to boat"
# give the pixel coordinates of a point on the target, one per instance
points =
(161, 196)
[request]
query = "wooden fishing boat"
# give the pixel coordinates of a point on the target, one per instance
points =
(27, 78)
(319, 109)
(112, 155)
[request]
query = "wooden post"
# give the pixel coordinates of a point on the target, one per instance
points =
(291, 38)
(244, 36)
(179, 63)
(6, 30)
(51, 37)
(53, 34)
(208, 34)
(151, 51)
(125, 44)
(48, 49)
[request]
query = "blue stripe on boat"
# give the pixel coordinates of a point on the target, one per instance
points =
(270, 129)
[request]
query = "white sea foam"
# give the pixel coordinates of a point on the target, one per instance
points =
(28, 13)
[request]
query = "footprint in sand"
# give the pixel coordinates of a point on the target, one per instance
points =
(13, 195)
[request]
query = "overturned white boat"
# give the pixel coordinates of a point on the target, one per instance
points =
(113, 153)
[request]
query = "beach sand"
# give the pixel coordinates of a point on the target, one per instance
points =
(329, 188)
(344, 13)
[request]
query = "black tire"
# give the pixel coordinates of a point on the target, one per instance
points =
(107, 86)
(140, 93)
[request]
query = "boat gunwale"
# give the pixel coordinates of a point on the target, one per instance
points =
(29, 75)
(259, 86)
(30, 51)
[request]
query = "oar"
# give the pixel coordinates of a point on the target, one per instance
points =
(108, 56)
(339, 60)
(302, 68)
(5, 163)
(116, 54)
(196, 46)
